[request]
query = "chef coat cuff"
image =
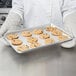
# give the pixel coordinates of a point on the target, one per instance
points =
(17, 12)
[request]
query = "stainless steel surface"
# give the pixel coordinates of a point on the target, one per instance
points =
(3, 13)
(1, 18)
(4, 10)
(52, 61)
(40, 41)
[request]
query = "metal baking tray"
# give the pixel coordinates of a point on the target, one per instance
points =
(43, 27)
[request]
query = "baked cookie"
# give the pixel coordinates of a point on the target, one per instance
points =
(38, 31)
(16, 42)
(62, 37)
(26, 34)
(34, 45)
(32, 39)
(50, 28)
(57, 32)
(12, 36)
(54, 30)
(22, 47)
(44, 36)
(49, 41)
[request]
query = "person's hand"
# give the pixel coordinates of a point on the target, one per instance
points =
(3, 30)
(12, 22)
(6, 29)
(70, 24)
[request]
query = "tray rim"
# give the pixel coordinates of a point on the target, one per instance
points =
(42, 26)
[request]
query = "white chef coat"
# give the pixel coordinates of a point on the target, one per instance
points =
(41, 12)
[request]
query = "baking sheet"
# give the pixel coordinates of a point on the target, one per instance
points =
(41, 41)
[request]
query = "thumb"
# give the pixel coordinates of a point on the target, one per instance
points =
(3, 30)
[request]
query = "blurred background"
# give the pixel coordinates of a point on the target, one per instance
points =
(5, 3)
(5, 6)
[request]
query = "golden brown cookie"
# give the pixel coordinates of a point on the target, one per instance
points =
(57, 32)
(50, 28)
(62, 37)
(22, 47)
(26, 34)
(38, 31)
(34, 45)
(54, 30)
(16, 42)
(49, 41)
(12, 36)
(44, 36)
(32, 39)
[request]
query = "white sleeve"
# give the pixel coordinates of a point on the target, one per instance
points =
(68, 7)
(18, 7)
(12, 22)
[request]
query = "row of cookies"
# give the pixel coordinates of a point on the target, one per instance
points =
(41, 34)
(53, 30)
(56, 32)
(44, 36)
(14, 39)
(29, 33)
(33, 41)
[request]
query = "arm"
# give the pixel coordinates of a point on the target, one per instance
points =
(70, 22)
(69, 19)
(69, 14)
(14, 18)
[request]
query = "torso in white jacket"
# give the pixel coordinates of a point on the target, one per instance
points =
(40, 12)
